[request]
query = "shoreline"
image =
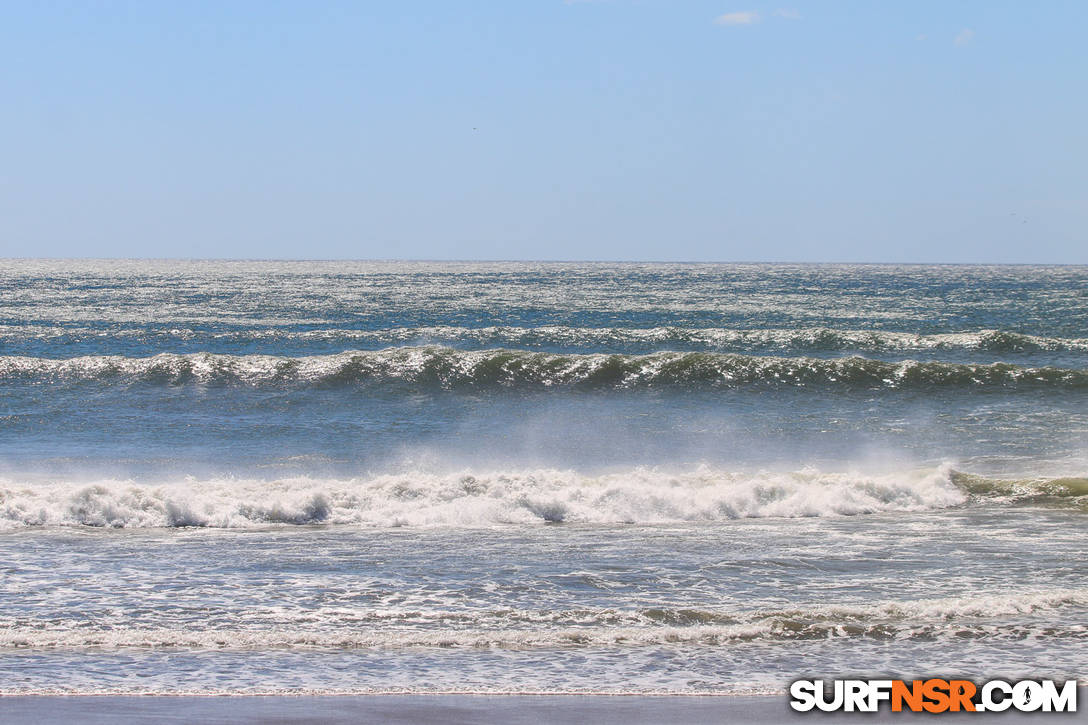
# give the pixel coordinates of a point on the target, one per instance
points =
(618, 709)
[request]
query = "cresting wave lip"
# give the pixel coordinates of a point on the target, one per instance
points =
(1025, 490)
(446, 368)
(1004, 616)
(639, 496)
(719, 339)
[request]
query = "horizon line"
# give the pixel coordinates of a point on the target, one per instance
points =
(437, 260)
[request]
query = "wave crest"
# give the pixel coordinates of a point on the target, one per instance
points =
(638, 496)
(471, 499)
(446, 368)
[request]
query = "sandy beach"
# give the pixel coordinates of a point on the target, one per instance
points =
(761, 710)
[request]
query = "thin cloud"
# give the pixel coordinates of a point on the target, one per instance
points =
(966, 36)
(743, 17)
(787, 13)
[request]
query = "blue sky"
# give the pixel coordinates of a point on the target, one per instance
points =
(544, 129)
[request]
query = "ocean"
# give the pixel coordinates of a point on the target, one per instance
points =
(362, 477)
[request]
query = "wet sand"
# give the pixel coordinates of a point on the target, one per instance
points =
(442, 709)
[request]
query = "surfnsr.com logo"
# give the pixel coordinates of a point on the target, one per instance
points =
(934, 695)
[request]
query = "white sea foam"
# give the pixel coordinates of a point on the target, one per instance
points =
(467, 498)
(976, 616)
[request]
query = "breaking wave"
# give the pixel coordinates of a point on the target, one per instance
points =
(447, 368)
(1068, 491)
(638, 496)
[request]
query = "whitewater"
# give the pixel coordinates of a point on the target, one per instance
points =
(310, 477)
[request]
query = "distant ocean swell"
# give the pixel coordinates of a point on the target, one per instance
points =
(344, 628)
(447, 368)
(638, 496)
(718, 339)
